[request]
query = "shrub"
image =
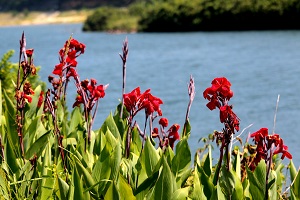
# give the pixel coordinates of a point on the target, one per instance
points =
(111, 19)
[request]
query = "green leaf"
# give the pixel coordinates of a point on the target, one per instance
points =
(257, 181)
(206, 181)
(63, 188)
(89, 181)
(4, 184)
(237, 165)
(187, 131)
(164, 186)
(197, 193)
(182, 158)
(48, 183)
(144, 187)
(181, 194)
(149, 157)
(218, 193)
(125, 189)
(78, 185)
(272, 187)
(38, 146)
(76, 120)
(181, 162)
(108, 164)
(231, 184)
(207, 165)
(110, 124)
(295, 179)
(112, 192)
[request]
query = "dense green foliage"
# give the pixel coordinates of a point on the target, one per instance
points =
(46, 5)
(111, 19)
(46, 152)
(196, 15)
(184, 15)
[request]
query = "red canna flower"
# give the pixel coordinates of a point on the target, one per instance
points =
(155, 133)
(173, 134)
(220, 90)
(131, 99)
(29, 52)
(29, 98)
(163, 122)
(79, 100)
(72, 72)
(135, 101)
(41, 99)
(264, 143)
(260, 134)
(58, 69)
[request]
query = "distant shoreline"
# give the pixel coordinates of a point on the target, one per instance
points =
(43, 18)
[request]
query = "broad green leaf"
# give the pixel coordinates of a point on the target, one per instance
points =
(150, 157)
(197, 193)
(100, 141)
(231, 184)
(33, 131)
(136, 143)
(47, 183)
(4, 184)
(279, 181)
(206, 181)
(181, 163)
(237, 165)
(207, 165)
(181, 194)
(108, 164)
(293, 196)
(182, 158)
(88, 179)
(295, 179)
(246, 189)
(78, 185)
(112, 192)
(63, 188)
(125, 189)
(38, 146)
(187, 131)
(257, 181)
(110, 124)
(218, 193)
(144, 187)
(272, 187)
(165, 185)
(76, 120)
(12, 149)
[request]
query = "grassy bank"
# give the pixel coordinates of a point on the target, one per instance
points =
(35, 18)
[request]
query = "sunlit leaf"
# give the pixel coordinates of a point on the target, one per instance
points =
(38, 146)
(257, 180)
(112, 192)
(165, 185)
(197, 192)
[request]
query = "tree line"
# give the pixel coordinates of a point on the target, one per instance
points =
(45, 5)
(209, 15)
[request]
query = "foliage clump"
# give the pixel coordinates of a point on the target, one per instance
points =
(48, 153)
(203, 15)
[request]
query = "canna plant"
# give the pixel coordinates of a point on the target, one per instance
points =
(49, 151)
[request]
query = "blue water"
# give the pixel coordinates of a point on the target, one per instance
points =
(260, 65)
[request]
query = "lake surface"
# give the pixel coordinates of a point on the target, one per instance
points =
(260, 65)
